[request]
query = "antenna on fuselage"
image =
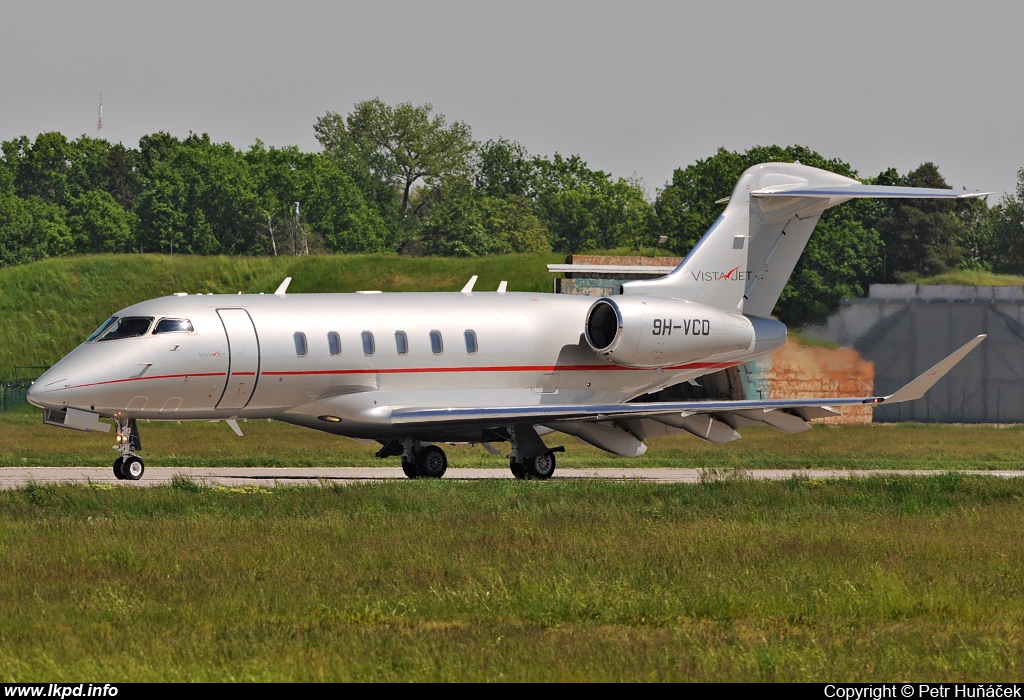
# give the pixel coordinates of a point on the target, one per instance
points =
(283, 287)
(468, 289)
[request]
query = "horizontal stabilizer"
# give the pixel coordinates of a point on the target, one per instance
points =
(865, 191)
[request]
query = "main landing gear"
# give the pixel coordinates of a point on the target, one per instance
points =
(531, 458)
(129, 465)
(541, 466)
(419, 460)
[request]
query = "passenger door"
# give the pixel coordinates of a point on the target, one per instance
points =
(243, 359)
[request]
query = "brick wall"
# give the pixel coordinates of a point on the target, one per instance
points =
(801, 371)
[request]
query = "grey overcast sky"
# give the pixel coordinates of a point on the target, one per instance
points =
(633, 87)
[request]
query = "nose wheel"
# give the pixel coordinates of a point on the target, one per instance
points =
(129, 466)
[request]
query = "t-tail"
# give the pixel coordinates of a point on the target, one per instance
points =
(742, 263)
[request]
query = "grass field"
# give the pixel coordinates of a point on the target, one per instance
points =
(888, 578)
(27, 442)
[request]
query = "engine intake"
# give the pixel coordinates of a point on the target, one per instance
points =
(643, 331)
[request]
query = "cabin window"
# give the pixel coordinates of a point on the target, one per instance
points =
(127, 327)
(300, 344)
(173, 325)
(471, 347)
(368, 343)
(402, 342)
(436, 346)
(334, 343)
(99, 331)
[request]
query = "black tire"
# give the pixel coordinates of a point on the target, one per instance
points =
(518, 470)
(133, 468)
(542, 466)
(410, 469)
(117, 468)
(431, 462)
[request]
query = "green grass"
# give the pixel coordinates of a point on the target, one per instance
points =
(27, 442)
(49, 307)
(865, 580)
(979, 278)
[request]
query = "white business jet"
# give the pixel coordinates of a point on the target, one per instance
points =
(410, 370)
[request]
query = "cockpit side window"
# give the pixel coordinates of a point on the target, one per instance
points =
(99, 331)
(127, 327)
(173, 325)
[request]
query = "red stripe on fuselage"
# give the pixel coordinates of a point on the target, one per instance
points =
(422, 370)
(139, 379)
(515, 368)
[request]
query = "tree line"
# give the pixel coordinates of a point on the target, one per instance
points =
(402, 178)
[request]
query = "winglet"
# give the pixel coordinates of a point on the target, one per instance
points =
(469, 285)
(283, 287)
(917, 388)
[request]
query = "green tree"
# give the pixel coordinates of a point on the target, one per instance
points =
(505, 169)
(31, 229)
(584, 209)
(200, 197)
(921, 237)
(121, 176)
(1005, 244)
(399, 145)
(44, 168)
(455, 225)
(511, 226)
(332, 204)
(99, 224)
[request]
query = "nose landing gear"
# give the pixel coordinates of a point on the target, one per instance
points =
(129, 465)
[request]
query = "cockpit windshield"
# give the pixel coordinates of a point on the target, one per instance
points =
(173, 325)
(127, 327)
(99, 331)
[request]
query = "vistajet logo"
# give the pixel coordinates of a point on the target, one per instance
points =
(735, 274)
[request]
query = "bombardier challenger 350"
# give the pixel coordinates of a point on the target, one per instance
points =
(411, 370)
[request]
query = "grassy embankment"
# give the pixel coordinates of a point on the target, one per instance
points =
(877, 579)
(978, 278)
(26, 442)
(49, 307)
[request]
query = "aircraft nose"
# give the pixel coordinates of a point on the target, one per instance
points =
(32, 394)
(50, 390)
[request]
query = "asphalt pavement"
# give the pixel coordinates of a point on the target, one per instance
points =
(14, 477)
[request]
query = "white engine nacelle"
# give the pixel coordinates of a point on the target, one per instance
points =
(643, 331)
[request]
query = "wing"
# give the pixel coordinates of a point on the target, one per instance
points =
(712, 420)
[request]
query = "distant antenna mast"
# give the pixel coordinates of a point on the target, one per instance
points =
(99, 124)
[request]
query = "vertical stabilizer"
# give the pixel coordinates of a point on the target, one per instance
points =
(753, 245)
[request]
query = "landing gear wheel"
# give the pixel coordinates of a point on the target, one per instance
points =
(132, 468)
(431, 462)
(542, 466)
(518, 470)
(117, 467)
(410, 469)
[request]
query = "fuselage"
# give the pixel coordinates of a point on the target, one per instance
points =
(342, 362)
